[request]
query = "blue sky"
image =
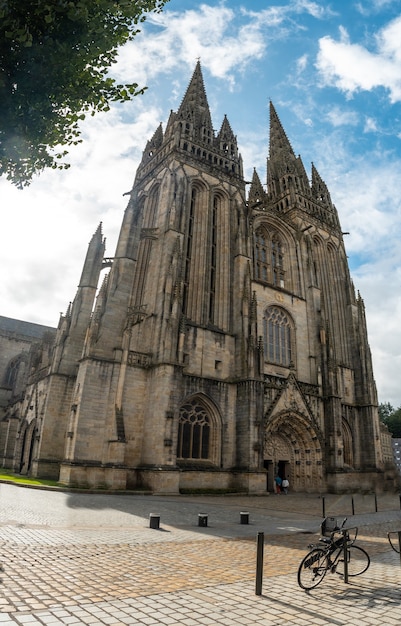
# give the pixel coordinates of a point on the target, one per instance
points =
(333, 72)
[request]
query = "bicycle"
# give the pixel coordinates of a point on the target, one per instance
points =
(396, 547)
(328, 555)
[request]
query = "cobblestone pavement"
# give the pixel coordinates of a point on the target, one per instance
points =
(73, 558)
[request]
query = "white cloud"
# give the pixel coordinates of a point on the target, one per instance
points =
(51, 222)
(342, 117)
(351, 67)
(302, 63)
(370, 125)
(314, 9)
(364, 190)
(211, 33)
(373, 6)
(382, 304)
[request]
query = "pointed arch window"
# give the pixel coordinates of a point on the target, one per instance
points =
(12, 371)
(261, 254)
(149, 208)
(269, 257)
(277, 261)
(213, 258)
(194, 431)
(188, 251)
(347, 443)
(278, 332)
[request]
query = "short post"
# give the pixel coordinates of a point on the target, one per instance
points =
(154, 520)
(352, 504)
(244, 517)
(346, 541)
(259, 563)
(400, 500)
(202, 519)
(375, 503)
(323, 506)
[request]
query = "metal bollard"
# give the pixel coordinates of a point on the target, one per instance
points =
(259, 563)
(202, 519)
(244, 517)
(154, 520)
(353, 506)
(323, 507)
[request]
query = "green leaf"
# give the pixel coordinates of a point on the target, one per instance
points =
(65, 74)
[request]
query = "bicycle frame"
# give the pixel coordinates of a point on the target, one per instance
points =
(326, 555)
(396, 542)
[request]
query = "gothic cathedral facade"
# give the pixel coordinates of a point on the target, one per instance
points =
(225, 344)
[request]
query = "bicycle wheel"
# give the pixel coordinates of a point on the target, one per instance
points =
(358, 561)
(394, 543)
(312, 569)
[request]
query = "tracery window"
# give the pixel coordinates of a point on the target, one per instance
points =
(11, 373)
(213, 259)
(277, 262)
(194, 429)
(347, 443)
(278, 336)
(261, 247)
(188, 251)
(269, 257)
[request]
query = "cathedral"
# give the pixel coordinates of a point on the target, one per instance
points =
(221, 345)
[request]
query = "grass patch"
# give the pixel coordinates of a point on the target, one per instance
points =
(26, 480)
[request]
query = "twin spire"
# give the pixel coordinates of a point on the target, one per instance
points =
(191, 131)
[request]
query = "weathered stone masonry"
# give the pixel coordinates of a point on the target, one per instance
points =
(226, 343)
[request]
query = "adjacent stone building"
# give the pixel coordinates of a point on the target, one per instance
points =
(22, 347)
(226, 343)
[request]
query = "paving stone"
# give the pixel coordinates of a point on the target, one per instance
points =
(94, 564)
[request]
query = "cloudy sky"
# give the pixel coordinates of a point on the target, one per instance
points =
(333, 72)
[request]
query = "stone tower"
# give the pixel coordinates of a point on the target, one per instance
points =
(226, 344)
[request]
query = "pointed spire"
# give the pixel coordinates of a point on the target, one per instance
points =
(157, 138)
(194, 110)
(227, 140)
(153, 144)
(257, 194)
(190, 130)
(101, 298)
(324, 209)
(93, 260)
(320, 191)
(285, 170)
(279, 145)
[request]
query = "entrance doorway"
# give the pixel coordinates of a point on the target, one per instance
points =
(283, 469)
(293, 448)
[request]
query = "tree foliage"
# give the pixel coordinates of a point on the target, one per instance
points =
(55, 57)
(391, 418)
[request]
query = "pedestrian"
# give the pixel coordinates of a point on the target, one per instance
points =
(285, 484)
(277, 482)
